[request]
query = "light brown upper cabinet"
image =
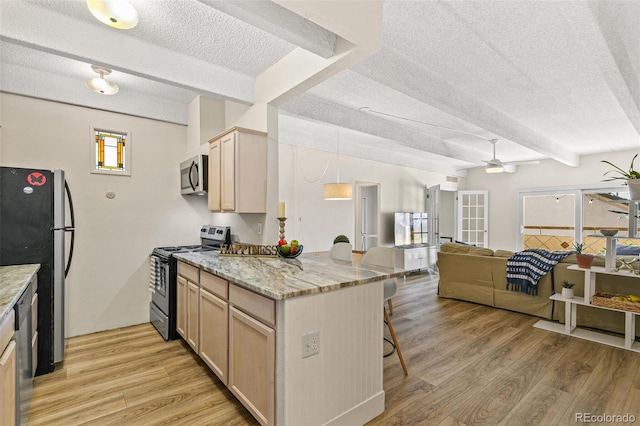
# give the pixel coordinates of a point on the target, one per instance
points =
(238, 171)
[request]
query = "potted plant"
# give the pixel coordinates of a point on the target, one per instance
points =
(341, 239)
(584, 260)
(567, 289)
(631, 176)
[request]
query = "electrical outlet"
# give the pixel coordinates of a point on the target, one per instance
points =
(310, 344)
(259, 228)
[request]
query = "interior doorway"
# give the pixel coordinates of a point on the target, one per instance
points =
(367, 216)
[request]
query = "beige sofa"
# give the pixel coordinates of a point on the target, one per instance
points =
(479, 275)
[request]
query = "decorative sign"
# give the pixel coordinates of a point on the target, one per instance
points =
(36, 179)
(249, 250)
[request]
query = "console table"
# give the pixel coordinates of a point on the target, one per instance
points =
(570, 328)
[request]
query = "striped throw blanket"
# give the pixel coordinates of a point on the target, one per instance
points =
(525, 268)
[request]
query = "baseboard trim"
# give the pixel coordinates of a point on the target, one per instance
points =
(361, 413)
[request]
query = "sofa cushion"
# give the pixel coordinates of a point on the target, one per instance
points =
(465, 249)
(503, 253)
(454, 248)
(480, 251)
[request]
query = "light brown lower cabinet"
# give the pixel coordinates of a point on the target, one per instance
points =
(193, 315)
(188, 289)
(214, 331)
(252, 365)
(233, 331)
(8, 385)
(181, 308)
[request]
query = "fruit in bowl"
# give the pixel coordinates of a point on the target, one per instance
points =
(290, 250)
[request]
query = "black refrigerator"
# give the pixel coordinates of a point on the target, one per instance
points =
(32, 230)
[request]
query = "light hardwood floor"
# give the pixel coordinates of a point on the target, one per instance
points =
(468, 365)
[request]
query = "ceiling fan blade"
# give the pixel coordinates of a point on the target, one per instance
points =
(521, 163)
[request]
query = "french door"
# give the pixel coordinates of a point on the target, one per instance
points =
(473, 217)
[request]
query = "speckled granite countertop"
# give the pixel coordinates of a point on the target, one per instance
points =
(280, 278)
(13, 280)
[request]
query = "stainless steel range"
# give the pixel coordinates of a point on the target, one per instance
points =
(164, 269)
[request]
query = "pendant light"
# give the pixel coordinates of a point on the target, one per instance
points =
(99, 84)
(118, 14)
(337, 190)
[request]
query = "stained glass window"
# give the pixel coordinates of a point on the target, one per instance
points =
(111, 152)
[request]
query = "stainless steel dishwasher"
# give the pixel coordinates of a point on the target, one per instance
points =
(24, 384)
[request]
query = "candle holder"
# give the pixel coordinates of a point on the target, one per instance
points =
(282, 220)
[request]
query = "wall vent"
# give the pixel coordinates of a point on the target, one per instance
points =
(452, 179)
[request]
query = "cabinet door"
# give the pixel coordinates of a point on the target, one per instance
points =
(8, 385)
(181, 320)
(214, 176)
(228, 166)
(34, 332)
(214, 322)
(424, 258)
(193, 296)
(412, 259)
(252, 365)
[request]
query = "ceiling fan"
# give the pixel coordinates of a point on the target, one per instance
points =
(496, 166)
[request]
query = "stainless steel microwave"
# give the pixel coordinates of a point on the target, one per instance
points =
(194, 175)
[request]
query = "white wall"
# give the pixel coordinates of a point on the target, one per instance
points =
(107, 286)
(315, 222)
(206, 119)
(503, 188)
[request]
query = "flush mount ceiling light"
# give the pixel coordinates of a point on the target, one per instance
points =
(99, 84)
(337, 190)
(115, 13)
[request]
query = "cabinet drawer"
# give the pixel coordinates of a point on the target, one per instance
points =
(7, 327)
(213, 284)
(188, 271)
(260, 307)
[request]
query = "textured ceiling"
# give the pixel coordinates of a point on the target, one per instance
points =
(550, 79)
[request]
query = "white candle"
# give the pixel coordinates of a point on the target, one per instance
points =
(281, 209)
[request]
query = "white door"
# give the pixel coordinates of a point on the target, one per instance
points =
(433, 211)
(367, 216)
(473, 218)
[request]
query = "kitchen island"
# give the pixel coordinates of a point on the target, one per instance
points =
(297, 341)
